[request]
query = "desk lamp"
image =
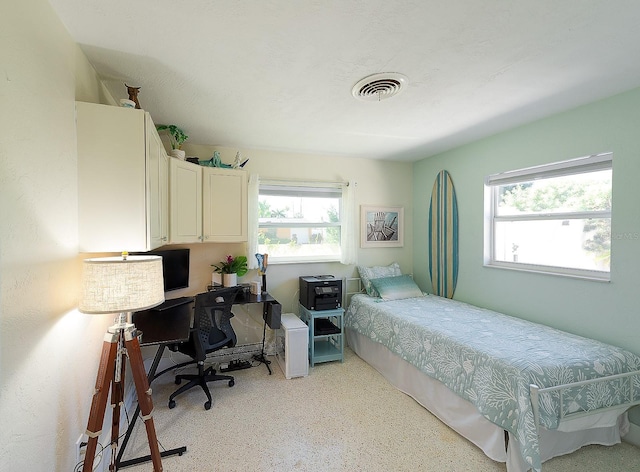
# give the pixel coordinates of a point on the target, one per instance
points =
(120, 285)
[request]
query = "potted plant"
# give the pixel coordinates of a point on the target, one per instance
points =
(231, 268)
(176, 138)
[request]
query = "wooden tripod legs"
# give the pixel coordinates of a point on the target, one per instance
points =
(106, 377)
(144, 395)
(106, 371)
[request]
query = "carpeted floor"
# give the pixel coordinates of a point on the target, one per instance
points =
(342, 417)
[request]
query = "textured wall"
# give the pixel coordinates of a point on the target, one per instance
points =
(48, 351)
(379, 182)
(604, 311)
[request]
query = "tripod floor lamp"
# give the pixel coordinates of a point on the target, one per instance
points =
(120, 285)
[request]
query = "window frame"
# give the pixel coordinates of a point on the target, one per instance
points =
(581, 165)
(310, 189)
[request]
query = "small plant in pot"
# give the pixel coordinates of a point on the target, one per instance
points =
(231, 268)
(176, 138)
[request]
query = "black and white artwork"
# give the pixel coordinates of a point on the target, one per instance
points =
(381, 226)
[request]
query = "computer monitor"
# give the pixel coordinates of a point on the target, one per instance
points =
(175, 267)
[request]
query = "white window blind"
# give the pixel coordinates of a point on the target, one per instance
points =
(301, 221)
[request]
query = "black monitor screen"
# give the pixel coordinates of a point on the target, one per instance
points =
(175, 267)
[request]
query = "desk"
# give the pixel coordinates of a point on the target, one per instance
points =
(164, 325)
(244, 297)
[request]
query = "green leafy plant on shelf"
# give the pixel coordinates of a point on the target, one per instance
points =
(232, 265)
(176, 135)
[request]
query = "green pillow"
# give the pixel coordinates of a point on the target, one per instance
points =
(375, 272)
(396, 288)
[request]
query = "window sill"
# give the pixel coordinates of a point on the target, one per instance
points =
(592, 276)
(282, 261)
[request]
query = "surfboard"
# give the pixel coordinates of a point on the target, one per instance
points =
(443, 236)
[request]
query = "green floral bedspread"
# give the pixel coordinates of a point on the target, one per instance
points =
(490, 359)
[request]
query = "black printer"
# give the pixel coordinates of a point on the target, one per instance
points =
(320, 292)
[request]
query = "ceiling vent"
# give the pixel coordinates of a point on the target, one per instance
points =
(377, 87)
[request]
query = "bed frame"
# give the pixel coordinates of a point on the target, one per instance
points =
(584, 423)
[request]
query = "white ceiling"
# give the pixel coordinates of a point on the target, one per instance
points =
(277, 74)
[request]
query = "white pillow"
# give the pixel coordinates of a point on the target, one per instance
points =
(376, 272)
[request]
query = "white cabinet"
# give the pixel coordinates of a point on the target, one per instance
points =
(224, 194)
(158, 178)
(122, 180)
(185, 187)
(207, 204)
(291, 346)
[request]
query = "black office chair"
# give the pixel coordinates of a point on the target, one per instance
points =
(211, 331)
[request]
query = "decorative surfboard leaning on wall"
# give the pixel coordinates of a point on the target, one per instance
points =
(443, 236)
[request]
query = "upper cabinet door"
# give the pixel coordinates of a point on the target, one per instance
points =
(185, 187)
(112, 195)
(158, 188)
(114, 188)
(224, 205)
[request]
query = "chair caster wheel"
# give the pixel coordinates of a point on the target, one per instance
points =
(207, 405)
(231, 383)
(178, 381)
(172, 403)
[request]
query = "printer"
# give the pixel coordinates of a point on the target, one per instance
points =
(320, 292)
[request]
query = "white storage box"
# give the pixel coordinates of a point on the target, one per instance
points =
(292, 346)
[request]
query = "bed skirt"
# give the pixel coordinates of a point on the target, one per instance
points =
(463, 417)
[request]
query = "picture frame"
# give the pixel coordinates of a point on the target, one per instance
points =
(381, 226)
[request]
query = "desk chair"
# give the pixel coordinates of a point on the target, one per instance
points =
(211, 331)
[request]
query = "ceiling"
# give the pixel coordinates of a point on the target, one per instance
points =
(278, 74)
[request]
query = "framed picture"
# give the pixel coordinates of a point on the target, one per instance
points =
(381, 226)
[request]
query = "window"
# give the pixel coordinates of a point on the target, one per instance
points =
(554, 218)
(300, 223)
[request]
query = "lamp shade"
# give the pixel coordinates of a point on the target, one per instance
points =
(118, 285)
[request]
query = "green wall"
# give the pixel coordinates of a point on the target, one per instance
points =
(605, 311)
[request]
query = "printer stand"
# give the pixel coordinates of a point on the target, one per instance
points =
(326, 336)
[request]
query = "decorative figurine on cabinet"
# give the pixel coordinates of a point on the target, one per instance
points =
(237, 164)
(216, 161)
(133, 94)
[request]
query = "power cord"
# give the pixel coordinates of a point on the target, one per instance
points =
(79, 465)
(101, 448)
(294, 305)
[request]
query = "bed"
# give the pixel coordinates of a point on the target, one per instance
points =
(520, 391)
